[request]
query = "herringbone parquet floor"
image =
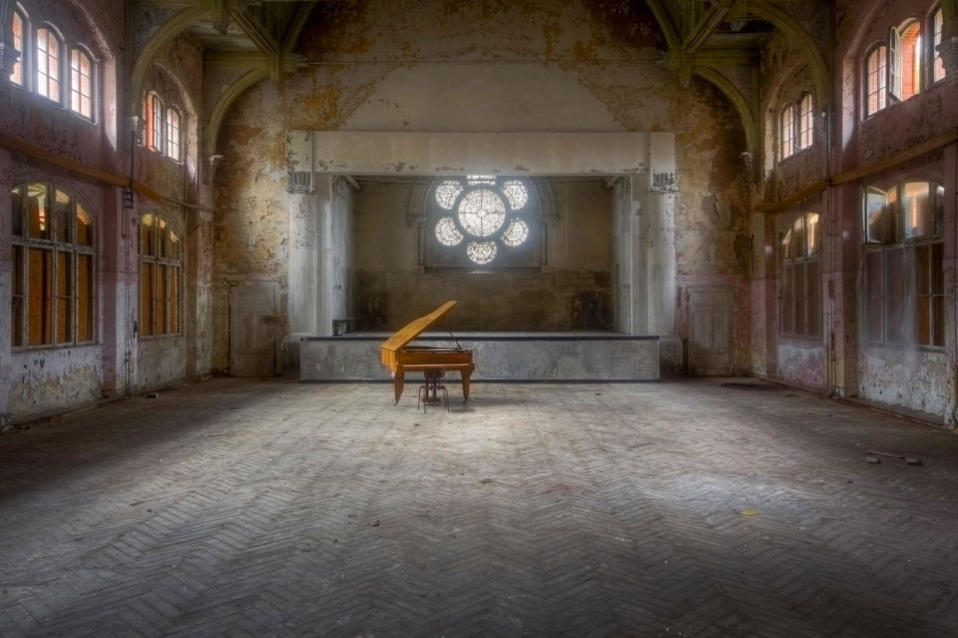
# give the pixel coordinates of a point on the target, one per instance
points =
(264, 508)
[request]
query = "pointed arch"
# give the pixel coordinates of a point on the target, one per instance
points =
(817, 66)
(745, 111)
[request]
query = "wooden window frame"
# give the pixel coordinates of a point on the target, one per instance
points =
(800, 281)
(876, 80)
(806, 122)
(786, 127)
(937, 27)
(45, 72)
(20, 68)
(25, 246)
(76, 83)
(158, 233)
(885, 301)
(174, 134)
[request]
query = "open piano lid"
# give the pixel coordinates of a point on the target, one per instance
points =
(415, 327)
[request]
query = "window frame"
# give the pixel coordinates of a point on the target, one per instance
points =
(159, 234)
(171, 113)
(807, 262)
(25, 39)
(42, 66)
(786, 129)
(937, 29)
(81, 50)
(880, 75)
(806, 122)
(879, 322)
(52, 248)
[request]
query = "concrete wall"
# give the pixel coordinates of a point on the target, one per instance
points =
(392, 287)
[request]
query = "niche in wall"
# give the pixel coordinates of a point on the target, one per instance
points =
(557, 278)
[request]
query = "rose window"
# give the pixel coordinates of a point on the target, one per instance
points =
(483, 214)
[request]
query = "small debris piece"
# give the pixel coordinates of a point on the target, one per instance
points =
(873, 459)
(913, 461)
(888, 454)
(22, 426)
(749, 513)
(7, 429)
(487, 481)
(374, 523)
(152, 395)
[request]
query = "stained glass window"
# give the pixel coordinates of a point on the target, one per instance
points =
(484, 218)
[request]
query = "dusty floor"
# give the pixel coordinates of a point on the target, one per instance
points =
(275, 508)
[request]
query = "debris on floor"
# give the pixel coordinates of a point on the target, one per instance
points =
(873, 459)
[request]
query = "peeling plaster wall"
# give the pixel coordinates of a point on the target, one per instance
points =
(392, 289)
(911, 379)
(162, 361)
(529, 66)
(44, 381)
(801, 362)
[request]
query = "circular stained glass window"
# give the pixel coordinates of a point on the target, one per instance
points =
(485, 212)
(482, 212)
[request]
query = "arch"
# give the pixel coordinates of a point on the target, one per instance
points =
(745, 111)
(225, 101)
(163, 36)
(665, 24)
(818, 68)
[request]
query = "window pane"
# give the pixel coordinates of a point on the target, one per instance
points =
(788, 131)
(80, 83)
(16, 211)
(798, 238)
(16, 316)
(41, 294)
(894, 295)
(876, 81)
(63, 215)
(813, 289)
(922, 270)
(813, 233)
(163, 239)
(174, 245)
(923, 320)
(84, 225)
(174, 300)
(146, 298)
(877, 216)
(173, 133)
(788, 324)
(84, 298)
(915, 209)
(938, 316)
(64, 297)
(937, 269)
(911, 60)
(147, 236)
(939, 66)
(161, 299)
(16, 75)
(806, 122)
(38, 211)
(873, 296)
(939, 212)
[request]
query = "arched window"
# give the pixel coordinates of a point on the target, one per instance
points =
(801, 293)
(806, 121)
(160, 277)
(938, 65)
(81, 83)
(48, 64)
(53, 267)
(787, 130)
(153, 117)
(876, 87)
(16, 75)
(482, 221)
(905, 60)
(173, 133)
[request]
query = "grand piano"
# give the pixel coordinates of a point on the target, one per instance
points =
(400, 357)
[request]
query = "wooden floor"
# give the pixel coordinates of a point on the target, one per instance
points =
(667, 509)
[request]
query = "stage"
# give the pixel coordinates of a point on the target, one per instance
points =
(499, 356)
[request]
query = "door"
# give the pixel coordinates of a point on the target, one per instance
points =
(254, 338)
(710, 333)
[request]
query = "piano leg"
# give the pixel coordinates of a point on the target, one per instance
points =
(465, 384)
(398, 383)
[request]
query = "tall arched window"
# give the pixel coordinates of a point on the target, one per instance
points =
(787, 129)
(806, 121)
(53, 267)
(160, 277)
(81, 83)
(48, 64)
(938, 65)
(905, 60)
(876, 87)
(153, 116)
(173, 133)
(16, 75)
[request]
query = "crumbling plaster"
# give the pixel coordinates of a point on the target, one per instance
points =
(608, 60)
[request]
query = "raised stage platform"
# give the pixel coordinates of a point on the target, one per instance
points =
(499, 356)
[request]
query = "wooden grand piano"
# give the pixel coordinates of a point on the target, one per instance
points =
(397, 355)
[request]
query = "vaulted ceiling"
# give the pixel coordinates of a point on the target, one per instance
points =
(245, 41)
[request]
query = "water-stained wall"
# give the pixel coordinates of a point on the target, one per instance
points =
(524, 66)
